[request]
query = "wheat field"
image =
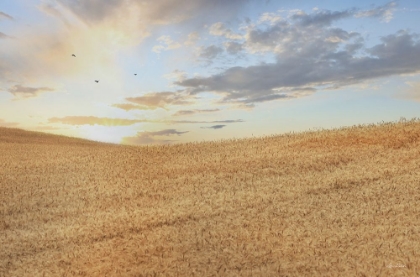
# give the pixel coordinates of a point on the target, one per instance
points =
(340, 202)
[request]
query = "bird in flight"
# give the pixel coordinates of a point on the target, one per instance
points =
(97, 81)
(135, 74)
(73, 55)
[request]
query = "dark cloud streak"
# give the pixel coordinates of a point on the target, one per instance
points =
(4, 36)
(5, 15)
(214, 127)
(217, 121)
(27, 92)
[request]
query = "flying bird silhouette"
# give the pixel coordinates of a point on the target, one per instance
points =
(73, 55)
(97, 81)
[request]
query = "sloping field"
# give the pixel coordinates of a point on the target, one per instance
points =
(329, 203)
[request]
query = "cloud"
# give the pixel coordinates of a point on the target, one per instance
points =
(106, 121)
(214, 127)
(411, 93)
(5, 16)
(173, 11)
(4, 123)
(160, 12)
(301, 32)
(52, 9)
(176, 74)
(129, 107)
(219, 29)
(255, 81)
(160, 99)
(166, 44)
(191, 112)
(320, 18)
(4, 36)
(167, 132)
(148, 137)
(90, 10)
(228, 121)
(210, 52)
(44, 56)
(27, 92)
(309, 55)
(402, 44)
(301, 27)
(272, 18)
(233, 47)
(265, 98)
(385, 12)
(192, 38)
(98, 31)
(93, 120)
(217, 121)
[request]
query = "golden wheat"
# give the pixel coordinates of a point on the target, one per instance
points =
(340, 202)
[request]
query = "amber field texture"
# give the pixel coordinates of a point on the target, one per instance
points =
(340, 202)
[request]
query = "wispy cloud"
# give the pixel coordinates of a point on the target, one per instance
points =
(28, 92)
(160, 99)
(191, 112)
(410, 93)
(217, 121)
(233, 47)
(166, 43)
(320, 18)
(53, 10)
(178, 75)
(129, 107)
(93, 120)
(162, 12)
(208, 53)
(385, 12)
(5, 16)
(192, 38)
(166, 132)
(4, 36)
(214, 127)
(219, 29)
(271, 18)
(149, 137)
(106, 121)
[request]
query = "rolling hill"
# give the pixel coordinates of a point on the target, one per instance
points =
(341, 202)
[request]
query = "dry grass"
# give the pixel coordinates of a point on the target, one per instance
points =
(342, 202)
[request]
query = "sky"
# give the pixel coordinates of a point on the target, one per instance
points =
(142, 72)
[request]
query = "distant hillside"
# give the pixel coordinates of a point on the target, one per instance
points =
(15, 135)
